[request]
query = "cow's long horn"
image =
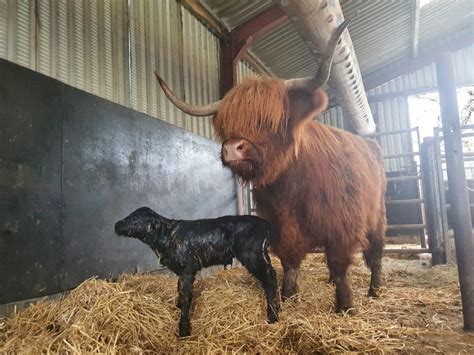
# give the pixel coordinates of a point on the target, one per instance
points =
(192, 110)
(324, 70)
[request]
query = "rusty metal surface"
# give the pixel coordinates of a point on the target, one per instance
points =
(71, 165)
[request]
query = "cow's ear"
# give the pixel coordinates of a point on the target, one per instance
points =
(306, 105)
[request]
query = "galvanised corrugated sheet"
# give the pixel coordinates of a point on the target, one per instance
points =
(80, 43)
(155, 45)
(201, 70)
(234, 12)
(111, 47)
(393, 115)
(425, 78)
(285, 52)
(282, 50)
(166, 38)
(444, 16)
(381, 33)
(333, 117)
(244, 70)
(3, 28)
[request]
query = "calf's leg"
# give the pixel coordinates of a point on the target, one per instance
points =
(185, 297)
(258, 264)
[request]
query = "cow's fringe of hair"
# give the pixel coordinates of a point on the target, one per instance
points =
(253, 104)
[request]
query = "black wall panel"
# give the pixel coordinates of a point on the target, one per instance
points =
(30, 181)
(71, 164)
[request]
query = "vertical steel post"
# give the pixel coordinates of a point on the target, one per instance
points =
(433, 208)
(442, 194)
(460, 210)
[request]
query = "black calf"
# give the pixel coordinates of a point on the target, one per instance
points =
(186, 247)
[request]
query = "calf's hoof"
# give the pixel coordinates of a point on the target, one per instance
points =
(184, 330)
(272, 317)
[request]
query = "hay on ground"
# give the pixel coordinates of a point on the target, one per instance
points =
(419, 311)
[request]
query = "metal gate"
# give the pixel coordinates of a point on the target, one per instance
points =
(443, 206)
(409, 177)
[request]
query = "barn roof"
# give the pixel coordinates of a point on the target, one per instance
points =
(384, 31)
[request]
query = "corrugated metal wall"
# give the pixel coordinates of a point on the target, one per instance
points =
(426, 76)
(393, 115)
(111, 47)
(333, 117)
(79, 42)
(244, 70)
(201, 70)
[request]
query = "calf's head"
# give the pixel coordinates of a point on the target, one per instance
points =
(140, 224)
(260, 121)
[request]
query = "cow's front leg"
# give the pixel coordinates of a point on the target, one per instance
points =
(291, 247)
(290, 280)
(185, 297)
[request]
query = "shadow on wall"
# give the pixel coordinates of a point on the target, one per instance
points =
(71, 165)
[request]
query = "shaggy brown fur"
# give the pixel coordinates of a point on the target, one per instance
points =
(317, 185)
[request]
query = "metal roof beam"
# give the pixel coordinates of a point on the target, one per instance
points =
(415, 27)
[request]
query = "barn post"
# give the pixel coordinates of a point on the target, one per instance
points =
(228, 78)
(436, 232)
(234, 45)
(460, 210)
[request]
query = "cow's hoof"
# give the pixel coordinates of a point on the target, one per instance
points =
(373, 293)
(347, 310)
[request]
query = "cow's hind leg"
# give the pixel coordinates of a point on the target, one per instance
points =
(338, 265)
(373, 260)
(257, 262)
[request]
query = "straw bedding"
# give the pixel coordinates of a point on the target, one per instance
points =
(419, 311)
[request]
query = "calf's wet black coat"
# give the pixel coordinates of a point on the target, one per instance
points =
(185, 247)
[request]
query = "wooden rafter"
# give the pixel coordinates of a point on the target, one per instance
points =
(238, 41)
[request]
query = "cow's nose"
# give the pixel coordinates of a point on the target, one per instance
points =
(234, 149)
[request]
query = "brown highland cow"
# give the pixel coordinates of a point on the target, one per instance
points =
(317, 185)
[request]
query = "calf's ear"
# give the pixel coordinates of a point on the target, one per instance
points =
(305, 105)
